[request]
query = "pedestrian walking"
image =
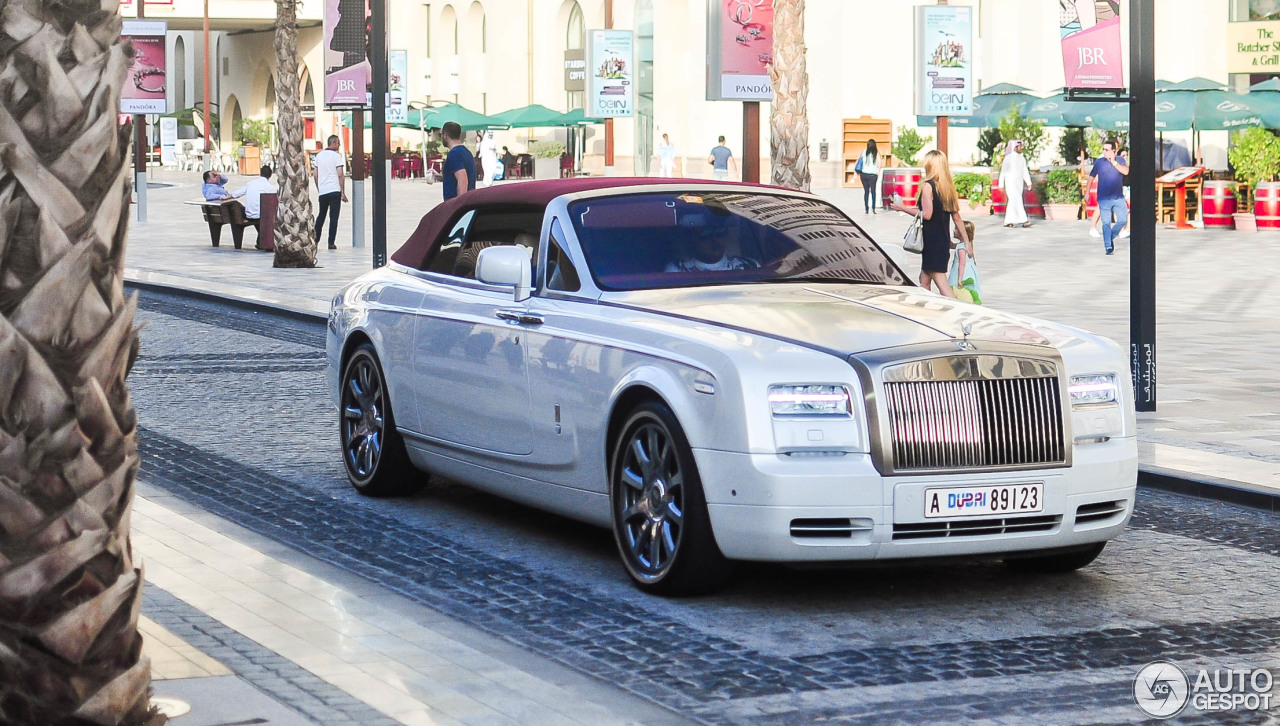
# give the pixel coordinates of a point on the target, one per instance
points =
(720, 159)
(868, 168)
(666, 157)
(938, 207)
(1111, 170)
(459, 165)
(1015, 179)
(488, 160)
(327, 170)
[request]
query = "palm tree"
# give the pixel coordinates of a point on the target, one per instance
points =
(295, 233)
(789, 120)
(70, 590)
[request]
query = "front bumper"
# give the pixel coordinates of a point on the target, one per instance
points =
(832, 508)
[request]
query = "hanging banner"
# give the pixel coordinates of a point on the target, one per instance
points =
(348, 77)
(1091, 52)
(168, 140)
(397, 86)
(944, 60)
(610, 74)
(144, 90)
(739, 50)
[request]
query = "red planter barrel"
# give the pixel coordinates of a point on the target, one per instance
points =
(1218, 198)
(904, 181)
(1266, 205)
(1000, 200)
(1091, 198)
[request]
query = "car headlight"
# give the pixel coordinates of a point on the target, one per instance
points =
(810, 400)
(1095, 389)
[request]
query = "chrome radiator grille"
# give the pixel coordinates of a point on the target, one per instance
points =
(974, 424)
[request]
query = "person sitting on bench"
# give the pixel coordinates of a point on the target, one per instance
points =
(215, 188)
(252, 194)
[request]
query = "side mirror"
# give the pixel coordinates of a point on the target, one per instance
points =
(506, 266)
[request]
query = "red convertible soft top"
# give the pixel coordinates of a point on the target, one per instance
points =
(534, 193)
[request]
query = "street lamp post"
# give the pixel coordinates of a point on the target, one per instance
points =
(1142, 175)
(379, 63)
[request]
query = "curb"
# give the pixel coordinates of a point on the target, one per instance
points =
(1203, 486)
(256, 306)
(1176, 481)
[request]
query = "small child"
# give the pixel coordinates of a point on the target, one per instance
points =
(960, 261)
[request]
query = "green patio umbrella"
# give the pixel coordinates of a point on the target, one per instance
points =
(1175, 111)
(527, 117)
(1191, 84)
(1001, 89)
(412, 122)
(1270, 85)
(1224, 110)
(575, 117)
(1056, 110)
(469, 120)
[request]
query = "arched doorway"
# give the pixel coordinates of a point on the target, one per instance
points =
(308, 106)
(449, 42)
(230, 135)
(644, 87)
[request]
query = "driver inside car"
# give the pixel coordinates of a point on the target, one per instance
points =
(708, 250)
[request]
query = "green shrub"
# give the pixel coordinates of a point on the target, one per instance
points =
(546, 149)
(1255, 156)
(1071, 144)
(909, 143)
(1016, 126)
(988, 143)
(1062, 186)
(974, 187)
(253, 131)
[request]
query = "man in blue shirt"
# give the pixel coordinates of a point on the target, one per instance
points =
(215, 187)
(1110, 170)
(720, 159)
(459, 165)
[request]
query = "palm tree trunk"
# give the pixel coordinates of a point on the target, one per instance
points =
(295, 233)
(70, 591)
(789, 120)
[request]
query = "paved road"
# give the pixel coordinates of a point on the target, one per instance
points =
(1192, 581)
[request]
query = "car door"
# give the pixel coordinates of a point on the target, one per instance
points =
(469, 360)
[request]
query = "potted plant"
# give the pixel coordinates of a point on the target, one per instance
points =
(974, 191)
(1255, 156)
(546, 159)
(1062, 190)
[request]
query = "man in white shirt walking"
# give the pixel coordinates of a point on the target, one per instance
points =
(252, 193)
(331, 184)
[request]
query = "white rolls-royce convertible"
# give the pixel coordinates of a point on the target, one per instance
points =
(724, 372)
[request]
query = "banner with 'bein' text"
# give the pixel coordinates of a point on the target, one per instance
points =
(1091, 52)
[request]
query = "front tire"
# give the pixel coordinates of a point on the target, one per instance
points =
(372, 450)
(659, 512)
(1056, 564)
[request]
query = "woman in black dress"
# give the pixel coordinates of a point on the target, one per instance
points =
(939, 206)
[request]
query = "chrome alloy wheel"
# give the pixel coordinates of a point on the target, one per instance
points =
(650, 500)
(363, 423)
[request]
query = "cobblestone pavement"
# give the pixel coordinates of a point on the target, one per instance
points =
(1192, 581)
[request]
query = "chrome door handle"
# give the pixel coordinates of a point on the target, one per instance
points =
(519, 316)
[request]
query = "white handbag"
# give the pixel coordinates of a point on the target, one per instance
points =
(913, 240)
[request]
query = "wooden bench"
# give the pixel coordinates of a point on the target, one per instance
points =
(218, 213)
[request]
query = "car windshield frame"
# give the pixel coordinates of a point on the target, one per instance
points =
(762, 236)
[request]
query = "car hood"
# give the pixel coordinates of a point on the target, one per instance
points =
(848, 318)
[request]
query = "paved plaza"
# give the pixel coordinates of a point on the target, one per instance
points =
(269, 574)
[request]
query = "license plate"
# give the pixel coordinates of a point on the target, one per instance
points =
(995, 499)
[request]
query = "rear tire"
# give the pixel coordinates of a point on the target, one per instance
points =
(659, 512)
(1056, 564)
(372, 450)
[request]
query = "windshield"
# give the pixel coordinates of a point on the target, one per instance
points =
(648, 241)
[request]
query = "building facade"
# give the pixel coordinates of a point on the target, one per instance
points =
(493, 55)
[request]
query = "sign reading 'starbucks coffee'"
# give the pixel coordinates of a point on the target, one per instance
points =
(1253, 47)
